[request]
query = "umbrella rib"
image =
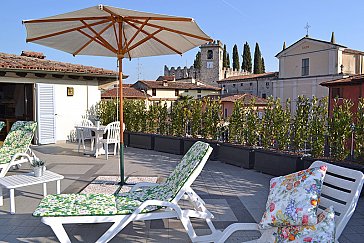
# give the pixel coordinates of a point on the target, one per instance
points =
(93, 39)
(126, 41)
(100, 37)
(89, 36)
(64, 19)
(150, 36)
(174, 31)
(64, 31)
(162, 42)
(160, 18)
(136, 33)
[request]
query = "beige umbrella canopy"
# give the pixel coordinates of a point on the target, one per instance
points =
(116, 32)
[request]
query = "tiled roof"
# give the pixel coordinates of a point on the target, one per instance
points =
(244, 97)
(351, 51)
(177, 85)
(128, 92)
(168, 78)
(31, 61)
(349, 80)
(249, 77)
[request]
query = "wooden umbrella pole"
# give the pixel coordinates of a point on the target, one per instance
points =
(121, 115)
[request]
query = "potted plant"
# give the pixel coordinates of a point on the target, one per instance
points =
(38, 167)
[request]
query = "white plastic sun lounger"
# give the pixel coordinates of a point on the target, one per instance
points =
(158, 201)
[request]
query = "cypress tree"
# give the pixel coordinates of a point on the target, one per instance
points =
(227, 60)
(263, 65)
(224, 58)
(257, 60)
(236, 64)
(247, 59)
(197, 61)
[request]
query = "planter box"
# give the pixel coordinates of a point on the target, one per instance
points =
(188, 142)
(168, 144)
(276, 163)
(126, 138)
(141, 140)
(237, 155)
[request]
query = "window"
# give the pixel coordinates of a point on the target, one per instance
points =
(241, 84)
(225, 112)
(186, 90)
(337, 93)
(251, 84)
(264, 96)
(199, 91)
(154, 92)
(210, 65)
(176, 92)
(223, 86)
(234, 85)
(305, 66)
(199, 96)
(266, 83)
(210, 54)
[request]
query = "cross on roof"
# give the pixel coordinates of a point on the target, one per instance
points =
(307, 27)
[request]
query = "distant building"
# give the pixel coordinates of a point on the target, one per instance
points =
(308, 62)
(211, 69)
(129, 92)
(259, 85)
(228, 102)
(55, 94)
(163, 91)
(351, 88)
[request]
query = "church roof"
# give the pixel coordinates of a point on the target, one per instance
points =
(310, 39)
(245, 78)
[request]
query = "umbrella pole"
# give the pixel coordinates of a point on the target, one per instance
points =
(121, 115)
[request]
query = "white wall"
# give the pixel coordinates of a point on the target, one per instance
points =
(70, 109)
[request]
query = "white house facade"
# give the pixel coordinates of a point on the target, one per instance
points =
(54, 94)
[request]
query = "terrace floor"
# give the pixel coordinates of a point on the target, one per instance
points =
(232, 194)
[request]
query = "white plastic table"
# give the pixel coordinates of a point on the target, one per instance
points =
(22, 180)
(99, 132)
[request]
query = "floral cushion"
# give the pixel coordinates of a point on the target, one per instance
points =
(323, 231)
(293, 199)
(126, 203)
(76, 204)
(18, 140)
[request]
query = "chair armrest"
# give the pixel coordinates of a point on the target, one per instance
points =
(143, 184)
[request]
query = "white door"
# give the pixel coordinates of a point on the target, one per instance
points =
(46, 114)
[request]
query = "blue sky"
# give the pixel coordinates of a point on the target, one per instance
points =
(269, 23)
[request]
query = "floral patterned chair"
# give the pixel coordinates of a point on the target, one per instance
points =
(339, 196)
(145, 201)
(15, 149)
(2, 124)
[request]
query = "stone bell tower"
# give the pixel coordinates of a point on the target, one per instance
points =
(211, 62)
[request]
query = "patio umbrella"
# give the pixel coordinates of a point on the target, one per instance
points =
(115, 32)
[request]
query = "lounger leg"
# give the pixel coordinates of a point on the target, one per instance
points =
(113, 230)
(60, 232)
(12, 202)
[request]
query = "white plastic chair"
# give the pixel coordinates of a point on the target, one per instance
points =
(341, 189)
(84, 134)
(112, 131)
